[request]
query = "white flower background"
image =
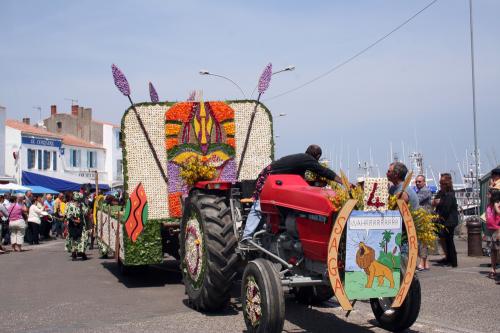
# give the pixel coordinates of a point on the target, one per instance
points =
(142, 168)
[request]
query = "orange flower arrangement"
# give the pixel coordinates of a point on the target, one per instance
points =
(172, 129)
(174, 204)
(221, 111)
(179, 112)
(171, 142)
(231, 142)
(229, 128)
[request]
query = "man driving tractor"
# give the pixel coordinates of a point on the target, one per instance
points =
(296, 164)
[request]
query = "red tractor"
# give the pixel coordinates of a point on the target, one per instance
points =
(289, 252)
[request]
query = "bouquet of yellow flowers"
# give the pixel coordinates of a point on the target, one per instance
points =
(426, 226)
(196, 169)
(424, 221)
(342, 195)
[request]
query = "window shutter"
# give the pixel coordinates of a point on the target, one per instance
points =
(71, 158)
(40, 158)
(54, 160)
(30, 159)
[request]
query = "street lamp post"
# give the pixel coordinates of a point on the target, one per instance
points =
(277, 136)
(205, 72)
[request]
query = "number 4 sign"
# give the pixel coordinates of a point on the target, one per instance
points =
(376, 194)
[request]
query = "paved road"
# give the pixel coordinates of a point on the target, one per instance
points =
(42, 290)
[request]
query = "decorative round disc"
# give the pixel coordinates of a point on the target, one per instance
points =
(253, 306)
(193, 249)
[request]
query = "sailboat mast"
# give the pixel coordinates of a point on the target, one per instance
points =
(473, 74)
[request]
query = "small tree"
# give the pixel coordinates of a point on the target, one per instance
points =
(398, 240)
(387, 235)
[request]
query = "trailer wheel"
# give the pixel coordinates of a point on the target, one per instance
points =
(401, 318)
(207, 249)
(311, 295)
(262, 298)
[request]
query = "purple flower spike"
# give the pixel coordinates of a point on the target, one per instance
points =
(265, 78)
(120, 80)
(152, 93)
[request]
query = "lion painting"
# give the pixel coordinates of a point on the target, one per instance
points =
(365, 259)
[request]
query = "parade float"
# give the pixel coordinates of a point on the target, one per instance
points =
(160, 141)
(190, 169)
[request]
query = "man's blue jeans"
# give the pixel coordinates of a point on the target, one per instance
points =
(57, 226)
(253, 220)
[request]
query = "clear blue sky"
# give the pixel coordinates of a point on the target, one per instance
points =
(413, 87)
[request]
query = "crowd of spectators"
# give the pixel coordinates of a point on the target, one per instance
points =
(32, 218)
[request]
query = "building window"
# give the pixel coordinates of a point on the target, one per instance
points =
(117, 139)
(39, 160)
(54, 160)
(74, 158)
(31, 158)
(91, 159)
(119, 168)
(59, 125)
(46, 159)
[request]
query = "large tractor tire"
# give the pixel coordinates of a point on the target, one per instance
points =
(396, 320)
(262, 298)
(313, 295)
(207, 249)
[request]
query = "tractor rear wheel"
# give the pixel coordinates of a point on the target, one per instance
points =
(401, 318)
(207, 250)
(312, 295)
(262, 297)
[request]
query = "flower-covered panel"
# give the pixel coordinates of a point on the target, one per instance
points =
(201, 131)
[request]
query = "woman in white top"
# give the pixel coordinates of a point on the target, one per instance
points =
(35, 212)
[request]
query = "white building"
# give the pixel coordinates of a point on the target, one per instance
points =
(2, 141)
(113, 164)
(80, 124)
(35, 156)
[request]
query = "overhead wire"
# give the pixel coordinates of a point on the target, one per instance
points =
(348, 60)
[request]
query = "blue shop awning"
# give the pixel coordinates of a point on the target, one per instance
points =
(30, 178)
(42, 190)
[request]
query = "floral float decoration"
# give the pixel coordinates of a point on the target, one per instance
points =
(425, 222)
(376, 195)
(152, 93)
(264, 81)
(122, 84)
(253, 306)
(194, 251)
(197, 169)
(199, 136)
(136, 213)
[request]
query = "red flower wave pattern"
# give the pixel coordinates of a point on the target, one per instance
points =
(134, 224)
